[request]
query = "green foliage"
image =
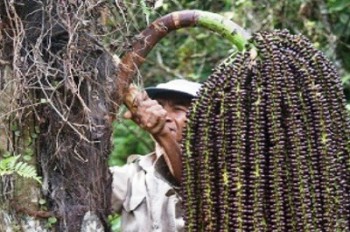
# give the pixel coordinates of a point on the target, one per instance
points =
(115, 222)
(128, 139)
(51, 221)
(11, 165)
(146, 10)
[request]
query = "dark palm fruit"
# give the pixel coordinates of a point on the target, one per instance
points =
(267, 145)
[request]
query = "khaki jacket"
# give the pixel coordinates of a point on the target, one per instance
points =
(146, 195)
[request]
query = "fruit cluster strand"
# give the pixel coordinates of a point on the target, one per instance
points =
(267, 145)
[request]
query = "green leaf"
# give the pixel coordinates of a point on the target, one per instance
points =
(7, 154)
(27, 157)
(34, 135)
(52, 220)
(146, 10)
(115, 222)
(345, 79)
(14, 127)
(11, 165)
(3, 173)
(42, 201)
(8, 163)
(43, 100)
(339, 6)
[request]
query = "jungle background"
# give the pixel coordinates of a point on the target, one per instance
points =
(193, 53)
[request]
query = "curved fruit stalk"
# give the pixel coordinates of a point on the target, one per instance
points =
(148, 38)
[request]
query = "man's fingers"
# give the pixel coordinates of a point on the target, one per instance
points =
(147, 113)
(152, 121)
(146, 105)
(140, 97)
(155, 122)
(127, 115)
(157, 128)
(144, 95)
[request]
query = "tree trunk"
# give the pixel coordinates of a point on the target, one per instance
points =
(73, 154)
(20, 198)
(66, 79)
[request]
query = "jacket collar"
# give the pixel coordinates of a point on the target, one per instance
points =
(156, 161)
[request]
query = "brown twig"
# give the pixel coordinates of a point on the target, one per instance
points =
(31, 212)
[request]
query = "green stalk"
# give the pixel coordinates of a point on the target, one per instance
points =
(225, 27)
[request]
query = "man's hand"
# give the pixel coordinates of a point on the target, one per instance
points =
(152, 117)
(148, 114)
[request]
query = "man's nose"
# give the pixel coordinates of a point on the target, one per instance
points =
(169, 117)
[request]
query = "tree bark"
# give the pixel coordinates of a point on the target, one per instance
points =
(66, 78)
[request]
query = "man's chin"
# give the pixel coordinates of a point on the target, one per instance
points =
(176, 137)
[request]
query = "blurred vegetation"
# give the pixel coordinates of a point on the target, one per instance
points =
(128, 139)
(191, 53)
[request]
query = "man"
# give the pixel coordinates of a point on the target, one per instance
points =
(145, 190)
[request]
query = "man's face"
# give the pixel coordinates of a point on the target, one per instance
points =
(176, 107)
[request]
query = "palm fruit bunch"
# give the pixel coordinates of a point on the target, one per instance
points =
(267, 145)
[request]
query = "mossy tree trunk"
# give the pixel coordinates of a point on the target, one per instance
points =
(63, 79)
